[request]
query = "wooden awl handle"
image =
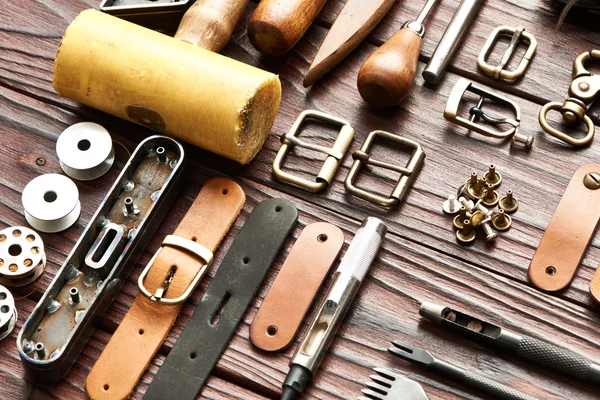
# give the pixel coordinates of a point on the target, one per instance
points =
(276, 26)
(210, 23)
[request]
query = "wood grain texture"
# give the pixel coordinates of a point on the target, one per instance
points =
(420, 260)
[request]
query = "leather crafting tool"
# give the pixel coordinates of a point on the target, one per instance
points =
(543, 353)
(165, 284)
(387, 385)
(569, 232)
(356, 20)
(295, 286)
(224, 303)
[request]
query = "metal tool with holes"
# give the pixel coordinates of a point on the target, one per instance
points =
(8, 313)
(543, 353)
(92, 275)
(408, 174)
(518, 35)
(451, 113)
(22, 256)
(424, 359)
(582, 93)
(387, 385)
(334, 153)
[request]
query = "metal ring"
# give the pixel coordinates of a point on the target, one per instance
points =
(556, 106)
(22, 256)
(8, 313)
(85, 151)
(51, 203)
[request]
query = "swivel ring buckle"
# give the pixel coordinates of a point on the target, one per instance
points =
(518, 35)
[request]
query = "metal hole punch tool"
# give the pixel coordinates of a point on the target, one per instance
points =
(582, 93)
(387, 385)
(407, 174)
(424, 359)
(477, 113)
(499, 72)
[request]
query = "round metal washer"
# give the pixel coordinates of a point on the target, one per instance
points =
(51, 203)
(8, 313)
(22, 256)
(85, 151)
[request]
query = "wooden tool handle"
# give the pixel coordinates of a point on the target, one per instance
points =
(386, 77)
(210, 23)
(276, 26)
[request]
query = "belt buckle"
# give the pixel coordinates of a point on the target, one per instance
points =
(518, 35)
(198, 250)
(476, 112)
(407, 173)
(334, 153)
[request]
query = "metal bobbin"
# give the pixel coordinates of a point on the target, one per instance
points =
(51, 203)
(22, 256)
(8, 313)
(85, 151)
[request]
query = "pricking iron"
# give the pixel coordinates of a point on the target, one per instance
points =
(387, 385)
(92, 275)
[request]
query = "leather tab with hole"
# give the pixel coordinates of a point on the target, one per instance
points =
(284, 306)
(569, 232)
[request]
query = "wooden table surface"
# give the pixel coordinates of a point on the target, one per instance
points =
(420, 260)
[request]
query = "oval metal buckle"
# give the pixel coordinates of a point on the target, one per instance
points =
(557, 106)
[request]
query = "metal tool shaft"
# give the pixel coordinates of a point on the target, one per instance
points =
(423, 14)
(443, 53)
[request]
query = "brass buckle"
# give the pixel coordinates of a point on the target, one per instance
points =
(198, 250)
(407, 174)
(451, 112)
(334, 153)
(518, 35)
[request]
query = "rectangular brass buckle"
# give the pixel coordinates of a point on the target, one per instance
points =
(407, 174)
(334, 154)
(518, 35)
(197, 249)
(454, 100)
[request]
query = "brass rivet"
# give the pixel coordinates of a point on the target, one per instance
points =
(592, 180)
(584, 86)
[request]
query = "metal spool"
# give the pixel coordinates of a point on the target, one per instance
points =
(51, 203)
(22, 256)
(8, 313)
(85, 151)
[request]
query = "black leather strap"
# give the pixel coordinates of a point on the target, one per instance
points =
(214, 321)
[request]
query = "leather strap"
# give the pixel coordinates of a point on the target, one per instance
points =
(284, 307)
(568, 233)
(216, 317)
(144, 328)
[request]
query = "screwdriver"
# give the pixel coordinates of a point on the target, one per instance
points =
(386, 77)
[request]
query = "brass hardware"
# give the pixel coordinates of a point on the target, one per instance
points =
(407, 173)
(592, 181)
(477, 218)
(526, 141)
(518, 35)
(508, 203)
(477, 191)
(584, 88)
(489, 233)
(482, 208)
(334, 153)
(451, 206)
(501, 221)
(491, 197)
(460, 218)
(466, 234)
(493, 177)
(467, 203)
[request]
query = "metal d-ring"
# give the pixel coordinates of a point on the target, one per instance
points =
(558, 106)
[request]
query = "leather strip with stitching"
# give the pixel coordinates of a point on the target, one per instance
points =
(145, 326)
(306, 267)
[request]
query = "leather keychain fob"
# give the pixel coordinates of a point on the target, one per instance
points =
(218, 314)
(569, 232)
(306, 267)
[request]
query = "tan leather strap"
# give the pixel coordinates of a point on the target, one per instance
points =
(294, 289)
(144, 328)
(568, 233)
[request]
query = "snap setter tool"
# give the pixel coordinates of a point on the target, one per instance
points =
(582, 92)
(424, 359)
(22, 256)
(387, 385)
(408, 173)
(335, 154)
(518, 35)
(217, 315)
(168, 280)
(476, 113)
(92, 275)
(569, 232)
(540, 352)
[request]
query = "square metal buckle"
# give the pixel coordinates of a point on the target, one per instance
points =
(407, 174)
(198, 250)
(518, 35)
(334, 154)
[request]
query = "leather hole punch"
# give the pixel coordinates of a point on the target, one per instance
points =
(335, 154)
(407, 173)
(499, 72)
